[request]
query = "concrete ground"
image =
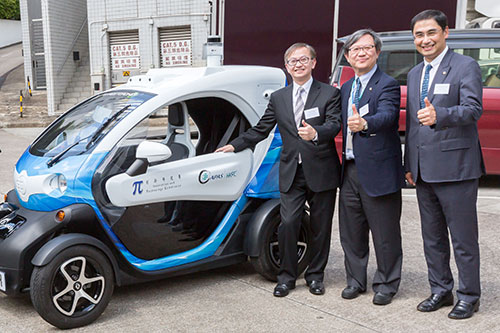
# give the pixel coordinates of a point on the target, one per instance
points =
(10, 57)
(11, 84)
(236, 299)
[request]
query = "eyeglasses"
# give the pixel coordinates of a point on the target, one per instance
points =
(356, 49)
(430, 34)
(293, 61)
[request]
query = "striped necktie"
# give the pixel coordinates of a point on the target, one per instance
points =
(299, 106)
(425, 86)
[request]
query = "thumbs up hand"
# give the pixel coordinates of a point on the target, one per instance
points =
(355, 122)
(427, 115)
(306, 131)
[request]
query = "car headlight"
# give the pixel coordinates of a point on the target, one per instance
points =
(57, 185)
(62, 184)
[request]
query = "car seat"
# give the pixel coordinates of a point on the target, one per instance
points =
(178, 133)
(493, 80)
(179, 141)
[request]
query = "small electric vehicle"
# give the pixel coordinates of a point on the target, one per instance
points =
(125, 187)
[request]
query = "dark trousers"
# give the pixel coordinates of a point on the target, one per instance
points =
(321, 206)
(450, 206)
(358, 215)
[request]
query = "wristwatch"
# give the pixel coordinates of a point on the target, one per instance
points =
(365, 126)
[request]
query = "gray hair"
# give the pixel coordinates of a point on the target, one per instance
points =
(298, 46)
(355, 36)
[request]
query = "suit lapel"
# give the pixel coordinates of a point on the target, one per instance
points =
(288, 100)
(442, 72)
(368, 92)
(415, 82)
(313, 94)
(345, 94)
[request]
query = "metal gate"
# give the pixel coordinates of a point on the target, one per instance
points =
(38, 55)
(175, 46)
(124, 55)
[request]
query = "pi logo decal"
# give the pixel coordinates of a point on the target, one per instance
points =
(137, 187)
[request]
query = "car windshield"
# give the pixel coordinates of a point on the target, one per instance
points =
(74, 132)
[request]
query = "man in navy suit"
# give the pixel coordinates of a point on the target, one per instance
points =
(307, 113)
(443, 158)
(372, 171)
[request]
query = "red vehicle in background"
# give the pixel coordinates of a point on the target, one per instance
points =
(398, 56)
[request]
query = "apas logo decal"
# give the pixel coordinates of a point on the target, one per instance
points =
(204, 176)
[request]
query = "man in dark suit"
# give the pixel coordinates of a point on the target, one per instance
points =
(443, 158)
(307, 113)
(372, 171)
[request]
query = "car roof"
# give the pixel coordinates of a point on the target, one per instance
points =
(247, 87)
(457, 38)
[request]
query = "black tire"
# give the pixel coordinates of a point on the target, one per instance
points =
(267, 263)
(59, 297)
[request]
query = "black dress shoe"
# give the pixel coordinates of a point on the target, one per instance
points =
(463, 310)
(351, 292)
(282, 289)
(435, 301)
(316, 287)
(382, 299)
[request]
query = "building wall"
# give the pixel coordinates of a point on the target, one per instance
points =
(65, 31)
(147, 16)
(11, 32)
(26, 38)
(30, 9)
(259, 32)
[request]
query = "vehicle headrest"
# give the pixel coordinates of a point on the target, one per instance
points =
(175, 115)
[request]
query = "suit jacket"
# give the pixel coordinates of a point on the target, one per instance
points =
(377, 151)
(449, 150)
(320, 161)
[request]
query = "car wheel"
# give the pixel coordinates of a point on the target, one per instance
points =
(267, 263)
(74, 288)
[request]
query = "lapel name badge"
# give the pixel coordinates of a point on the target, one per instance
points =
(442, 89)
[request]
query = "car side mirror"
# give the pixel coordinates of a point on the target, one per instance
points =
(148, 152)
(153, 151)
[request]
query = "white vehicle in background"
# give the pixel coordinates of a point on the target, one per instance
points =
(484, 23)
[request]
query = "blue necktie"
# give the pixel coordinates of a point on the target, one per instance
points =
(425, 86)
(357, 93)
(355, 99)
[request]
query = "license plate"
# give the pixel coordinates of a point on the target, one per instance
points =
(2, 281)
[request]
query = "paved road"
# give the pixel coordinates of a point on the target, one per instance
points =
(10, 57)
(236, 299)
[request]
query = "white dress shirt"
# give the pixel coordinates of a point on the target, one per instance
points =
(435, 65)
(364, 79)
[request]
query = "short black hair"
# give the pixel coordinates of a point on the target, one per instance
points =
(296, 46)
(428, 14)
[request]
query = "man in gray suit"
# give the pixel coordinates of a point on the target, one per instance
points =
(443, 159)
(307, 113)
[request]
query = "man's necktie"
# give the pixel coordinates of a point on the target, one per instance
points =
(425, 86)
(355, 101)
(357, 93)
(299, 106)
